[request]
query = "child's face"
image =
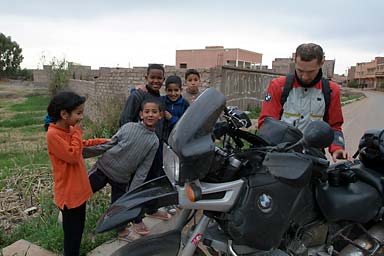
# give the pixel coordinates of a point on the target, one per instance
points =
(193, 83)
(75, 117)
(155, 79)
(150, 114)
(173, 91)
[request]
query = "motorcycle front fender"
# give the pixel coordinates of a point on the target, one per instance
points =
(153, 194)
(164, 244)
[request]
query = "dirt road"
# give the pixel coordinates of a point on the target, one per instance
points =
(362, 115)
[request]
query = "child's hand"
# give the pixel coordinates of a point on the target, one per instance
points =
(141, 87)
(79, 125)
(167, 115)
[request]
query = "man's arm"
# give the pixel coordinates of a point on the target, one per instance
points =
(271, 106)
(335, 120)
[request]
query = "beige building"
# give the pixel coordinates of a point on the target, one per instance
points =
(368, 74)
(213, 56)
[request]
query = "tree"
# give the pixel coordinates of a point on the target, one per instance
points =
(10, 56)
(59, 76)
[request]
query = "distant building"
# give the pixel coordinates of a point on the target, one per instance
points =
(213, 56)
(328, 68)
(351, 75)
(287, 65)
(340, 79)
(368, 74)
(283, 65)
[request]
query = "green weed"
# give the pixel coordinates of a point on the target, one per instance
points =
(32, 130)
(21, 121)
(34, 103)
(254, 113)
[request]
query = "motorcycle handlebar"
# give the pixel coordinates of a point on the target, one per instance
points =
(318, 161)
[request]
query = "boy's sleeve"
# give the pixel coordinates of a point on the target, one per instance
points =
(142, 171)
(131, 109)
(99, 149)
(173, 120)
(93, 142)
(70, 153)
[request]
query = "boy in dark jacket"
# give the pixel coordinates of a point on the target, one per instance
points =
(155, 79)
(175, 104)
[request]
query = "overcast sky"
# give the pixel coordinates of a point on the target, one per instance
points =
(134, 33)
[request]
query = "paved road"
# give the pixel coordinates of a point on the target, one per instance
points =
(362, 115)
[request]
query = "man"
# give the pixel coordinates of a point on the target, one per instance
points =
(306, 100)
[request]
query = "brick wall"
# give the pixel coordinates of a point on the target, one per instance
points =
(243, 87)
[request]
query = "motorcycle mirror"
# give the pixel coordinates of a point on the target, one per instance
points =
(318, 134)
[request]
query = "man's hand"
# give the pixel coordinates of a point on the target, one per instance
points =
(340, 154)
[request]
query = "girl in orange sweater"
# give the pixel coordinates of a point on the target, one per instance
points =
(71, 184)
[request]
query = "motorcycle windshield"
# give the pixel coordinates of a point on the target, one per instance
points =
(191, 138)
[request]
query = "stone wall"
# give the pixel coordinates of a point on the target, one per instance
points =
(244, 88)
(42, 76)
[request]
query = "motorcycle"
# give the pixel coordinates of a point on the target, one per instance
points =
(272, 193)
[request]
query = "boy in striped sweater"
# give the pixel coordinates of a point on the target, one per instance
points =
(127, 159)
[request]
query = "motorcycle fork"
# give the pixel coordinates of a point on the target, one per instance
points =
(196, 237)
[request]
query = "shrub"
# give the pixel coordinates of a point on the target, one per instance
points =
(59, 77)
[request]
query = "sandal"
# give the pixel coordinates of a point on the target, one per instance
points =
(141, 228)
(160, 215)
(129, 237)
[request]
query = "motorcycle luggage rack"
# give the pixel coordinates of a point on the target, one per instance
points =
(376, 244)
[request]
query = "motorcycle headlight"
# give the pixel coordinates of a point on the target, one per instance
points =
(170, 164)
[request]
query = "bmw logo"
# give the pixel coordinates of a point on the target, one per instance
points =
(265, 203)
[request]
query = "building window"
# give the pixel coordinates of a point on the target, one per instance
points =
(183, 65)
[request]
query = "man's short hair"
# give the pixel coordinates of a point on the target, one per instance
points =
(310, 51)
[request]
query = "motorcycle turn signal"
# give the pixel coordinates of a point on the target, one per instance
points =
(193, 192)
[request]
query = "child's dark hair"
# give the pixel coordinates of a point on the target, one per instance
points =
(192, 72)
(173, 80)
(67, 101)
(152, 100)
(155, 66)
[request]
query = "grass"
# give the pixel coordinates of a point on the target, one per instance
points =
(254, 113)
(32, 103)
(21, 120)
(25, 173)
(346, 97)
